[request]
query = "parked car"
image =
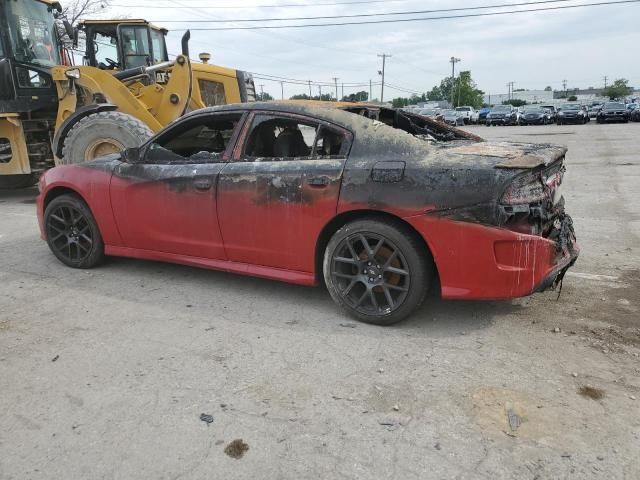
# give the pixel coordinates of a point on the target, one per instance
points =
(535, 115)
(452, 117)
(468, 114)
(436, 114)
(482, 114)
(553, 111)
(634, 114)
(594, 109)
(312, 195)
(502, 115)
(572, 113)
(613, 112)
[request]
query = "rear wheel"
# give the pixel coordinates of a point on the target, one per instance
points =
(377, 271)
(72, 232)
(101, 134)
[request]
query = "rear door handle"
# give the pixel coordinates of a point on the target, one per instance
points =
(202, 183)
(318, 181)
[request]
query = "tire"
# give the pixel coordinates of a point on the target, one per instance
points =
(383, 282)
(488, 124)
(103, 133)
(18, 181)
(72, 232)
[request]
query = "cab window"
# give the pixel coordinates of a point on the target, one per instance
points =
(199, 140)
(135, 46)
(157, 43)
(105, 49)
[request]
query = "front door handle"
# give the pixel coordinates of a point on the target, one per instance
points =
(318, 181)
(202, 183)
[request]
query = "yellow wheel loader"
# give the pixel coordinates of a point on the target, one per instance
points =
(53, 112)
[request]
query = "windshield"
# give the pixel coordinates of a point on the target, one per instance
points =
(570, 106)
(533, 109)
(614, 105)
(502, 108)
(32, 33)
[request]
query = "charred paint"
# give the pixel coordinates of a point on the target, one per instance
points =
(264, 216)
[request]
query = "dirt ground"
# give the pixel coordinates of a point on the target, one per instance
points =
(107, 373)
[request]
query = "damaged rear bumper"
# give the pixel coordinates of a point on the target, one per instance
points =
(479, 262)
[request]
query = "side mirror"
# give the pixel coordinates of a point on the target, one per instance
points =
(131, 155)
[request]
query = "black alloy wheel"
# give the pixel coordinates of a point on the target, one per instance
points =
(72, 233)
(376, 271)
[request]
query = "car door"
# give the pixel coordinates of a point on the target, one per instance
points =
(281, 189)
(164, 200)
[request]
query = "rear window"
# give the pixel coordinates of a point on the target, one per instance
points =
(463, 109)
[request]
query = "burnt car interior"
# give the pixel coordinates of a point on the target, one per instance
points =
(205, 139)
(277, 137)
(413, 123)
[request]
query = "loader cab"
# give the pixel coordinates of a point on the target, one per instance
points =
(29, 47)
(123, 44)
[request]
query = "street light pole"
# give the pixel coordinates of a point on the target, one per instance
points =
(453, 62)
(335, 80)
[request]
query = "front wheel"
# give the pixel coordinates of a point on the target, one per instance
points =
(377, 270)
(72, 232)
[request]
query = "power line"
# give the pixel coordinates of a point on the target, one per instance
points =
(421, 19)
(361, 15)
(282, 5)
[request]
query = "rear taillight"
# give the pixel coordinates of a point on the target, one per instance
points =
(525, 189)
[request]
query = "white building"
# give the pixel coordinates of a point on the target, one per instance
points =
(529, 96)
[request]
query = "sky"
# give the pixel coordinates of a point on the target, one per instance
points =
(532, 49)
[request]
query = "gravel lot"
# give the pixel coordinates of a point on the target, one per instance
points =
(105, 373)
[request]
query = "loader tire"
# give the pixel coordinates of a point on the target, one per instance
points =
(101, 134)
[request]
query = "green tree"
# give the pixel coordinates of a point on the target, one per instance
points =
(572, 98)
(515, 102)
(618, 89)
(303, 96)
(265, 97)
(361, 96)
(465, 91)
(548, 89)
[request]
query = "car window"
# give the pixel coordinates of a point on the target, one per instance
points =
(200, 140)
(274, 137)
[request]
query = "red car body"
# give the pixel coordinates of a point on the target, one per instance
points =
(245, 225)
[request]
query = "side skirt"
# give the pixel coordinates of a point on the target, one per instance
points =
(289, 276)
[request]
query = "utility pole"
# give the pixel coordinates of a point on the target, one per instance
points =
(342, 91)
(309, 89)
(282, 89)
(261, 92)
(510, 90)
(335, 80)
(453, 61)
(605, 81)
(320, 91)
(384, 58)
(564, 87)
(370, 96)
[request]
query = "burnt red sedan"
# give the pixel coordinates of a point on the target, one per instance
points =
(314, 195)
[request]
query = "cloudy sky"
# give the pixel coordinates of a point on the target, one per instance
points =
(533, 49)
